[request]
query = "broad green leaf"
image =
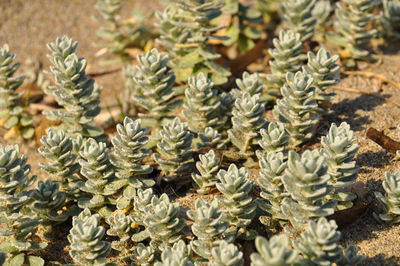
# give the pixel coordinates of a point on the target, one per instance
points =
(12, 121)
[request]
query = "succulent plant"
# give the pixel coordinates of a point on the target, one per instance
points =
(171, 31)
(143, 255)
(242, 29)
(323, 69)
(298, 17)
(272, 167)
(297, 109)
(202, 106)
(226, 254)
(391, 201)
(99, 172)
(247, 120)
(16, 225)
(350, 257)
(48, 202)
(61, 152)
(140, 203)
(227, 100)
(321, 12)
(119, 35)
(129, 151)
(162, 222)
(186, 31)
(318, 243)
(153, 82)
(287, 57)
(74, 91)
(339, 151)
(239, 206)
(390, 18)
(249, 83)
(210, 138)
(85, 237)
(208, 227)
(179, 254)
(274, 138)
(120, 226)
(306, 180)
(208, 167)
(276, 251)
(175, 155)
(352, 28)
(13, 115)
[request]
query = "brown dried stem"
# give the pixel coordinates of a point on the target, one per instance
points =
(383, 140)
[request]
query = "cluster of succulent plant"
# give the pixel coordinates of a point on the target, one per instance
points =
(202, 106)
(321, 13)
(274, 138)
(74, 91)
(208, 227)
(240, 208)
(85, 237)
(49, 202)
(159, 219)
(247, 120)
(391, 200)
(323, 69)
(306, 180)
(61, 152)
(352, 27)
(250, 83)
(152, 84)
(174, 151)
(119, 35)
(13, 114)
(185, 31)
(208, 167)
(287, 57)
(272, 168)
(122, 183)
(339, 151)
(317, 245)
(96, 167)
(297, 110)
(129, 152)
(18, 225)
(390, 18)
(178, 254)
(242, 29)
(298, 16)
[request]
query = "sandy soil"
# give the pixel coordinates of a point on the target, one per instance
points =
(27, 25)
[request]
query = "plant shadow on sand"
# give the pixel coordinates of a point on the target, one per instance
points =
(346, 110)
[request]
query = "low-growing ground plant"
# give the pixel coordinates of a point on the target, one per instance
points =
(287, 57)
(390, 19)
(391, 200)
(74, 91)
(168, 192)
(297, 110)
(17, 224)
(13, 114)
(185, 31)
(119, 35)
(353, 29)
(298, 16)
(243, 28)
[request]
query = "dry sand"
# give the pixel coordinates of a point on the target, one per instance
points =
(27, 25)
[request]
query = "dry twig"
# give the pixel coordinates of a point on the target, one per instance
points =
(383, 140)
